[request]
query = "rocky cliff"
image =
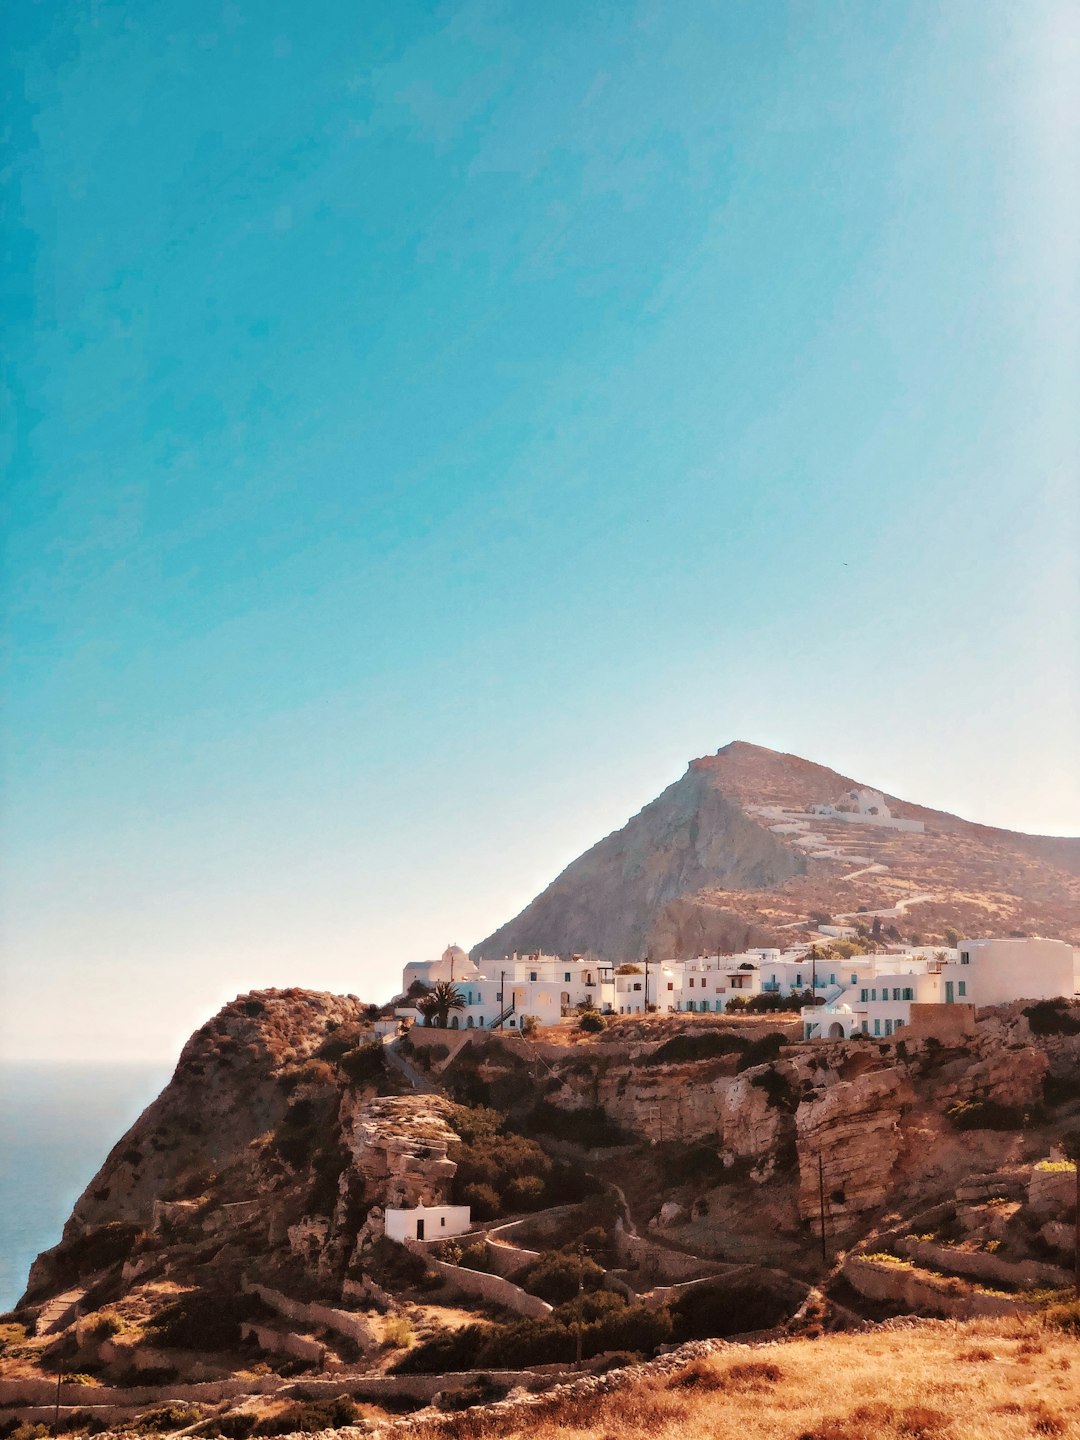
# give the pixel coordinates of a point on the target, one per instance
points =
(730, 855)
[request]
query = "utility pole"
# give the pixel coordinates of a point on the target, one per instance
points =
(502, 995)
(580, 1292)
(821, 1205)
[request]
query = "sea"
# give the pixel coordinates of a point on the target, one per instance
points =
(57, 1124)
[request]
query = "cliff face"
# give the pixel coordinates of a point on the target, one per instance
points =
(636, 889)
(278, 1137)
(720, 861)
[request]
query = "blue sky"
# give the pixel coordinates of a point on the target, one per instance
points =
(430, 425)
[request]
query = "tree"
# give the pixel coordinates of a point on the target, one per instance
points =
(436, 1007)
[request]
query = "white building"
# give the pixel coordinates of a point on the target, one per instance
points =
(501, 993)
(453, 965)
(882, 988)
(427, 1222)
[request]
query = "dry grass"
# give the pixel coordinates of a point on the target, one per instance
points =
(985, 1380)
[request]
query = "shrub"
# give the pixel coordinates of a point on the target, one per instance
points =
(761, 1051)
(366, 1065)
(397, 1333)
(592, 1022)
(590, 1128)
(702, 1045)
(174, 1416)
(730, 1308)
(482, 1391)
(485, 1202)
(525, 1192)
(695, 1163)
(778, 1088)
(475, 1257)
(1065, 1317)
(106, 1323)
(555, 1276)
(205, 1320)
(1052, 1017)
(986, 1115)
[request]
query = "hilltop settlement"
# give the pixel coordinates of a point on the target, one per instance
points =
(782, 1062)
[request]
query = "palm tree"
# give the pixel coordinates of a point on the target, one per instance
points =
(436, 1006)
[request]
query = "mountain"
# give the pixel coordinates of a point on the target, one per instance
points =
(731, 855)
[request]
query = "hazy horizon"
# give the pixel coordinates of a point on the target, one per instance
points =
(429, 429)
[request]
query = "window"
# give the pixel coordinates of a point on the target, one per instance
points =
(965, 958)
(888, 1027)
(532, 974)
(854, 979)
(671, 985)
(798, 979)
(442, 1220)
(877, 1027)
(963, 987)
(691, 982)
(896, 992)
(832, 979)
(873, 994)
(637, 984)
(864, 995)
(909, 993)
(566, 976)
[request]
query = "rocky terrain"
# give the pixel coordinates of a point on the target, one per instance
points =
(656, 1183)
(711, 864)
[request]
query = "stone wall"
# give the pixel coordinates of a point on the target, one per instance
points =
(493, 1288)
(947, 1023)
(343, 1322)
(981, 1265)
(923, 1292)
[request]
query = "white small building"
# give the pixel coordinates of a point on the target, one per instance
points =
(427, 1222)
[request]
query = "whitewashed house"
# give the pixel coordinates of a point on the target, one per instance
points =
(501, 993)
(883, 988)
(427, 1222)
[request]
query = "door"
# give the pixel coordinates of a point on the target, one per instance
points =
(419, 1229)
(949, 997)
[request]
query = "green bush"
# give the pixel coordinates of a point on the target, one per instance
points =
(548, 1341)
(700, 1163)
(708, 1312)
(592, 1022)
(700, 1045)
(761, 1051)
(205, 1320)
(484, 1201)
(591, 1128)
(556, 1275)
(366, 1065)
(1052, 1017)
(986, 1115)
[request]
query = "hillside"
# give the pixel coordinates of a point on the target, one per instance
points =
(731, 855)
(228, 1270)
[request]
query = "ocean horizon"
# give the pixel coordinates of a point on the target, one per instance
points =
(58, 1122)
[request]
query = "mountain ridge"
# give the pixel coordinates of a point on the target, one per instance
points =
(702, 866)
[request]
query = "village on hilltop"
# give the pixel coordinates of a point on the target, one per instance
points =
(847, 988)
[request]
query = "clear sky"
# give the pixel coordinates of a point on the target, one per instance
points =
(430, 425)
